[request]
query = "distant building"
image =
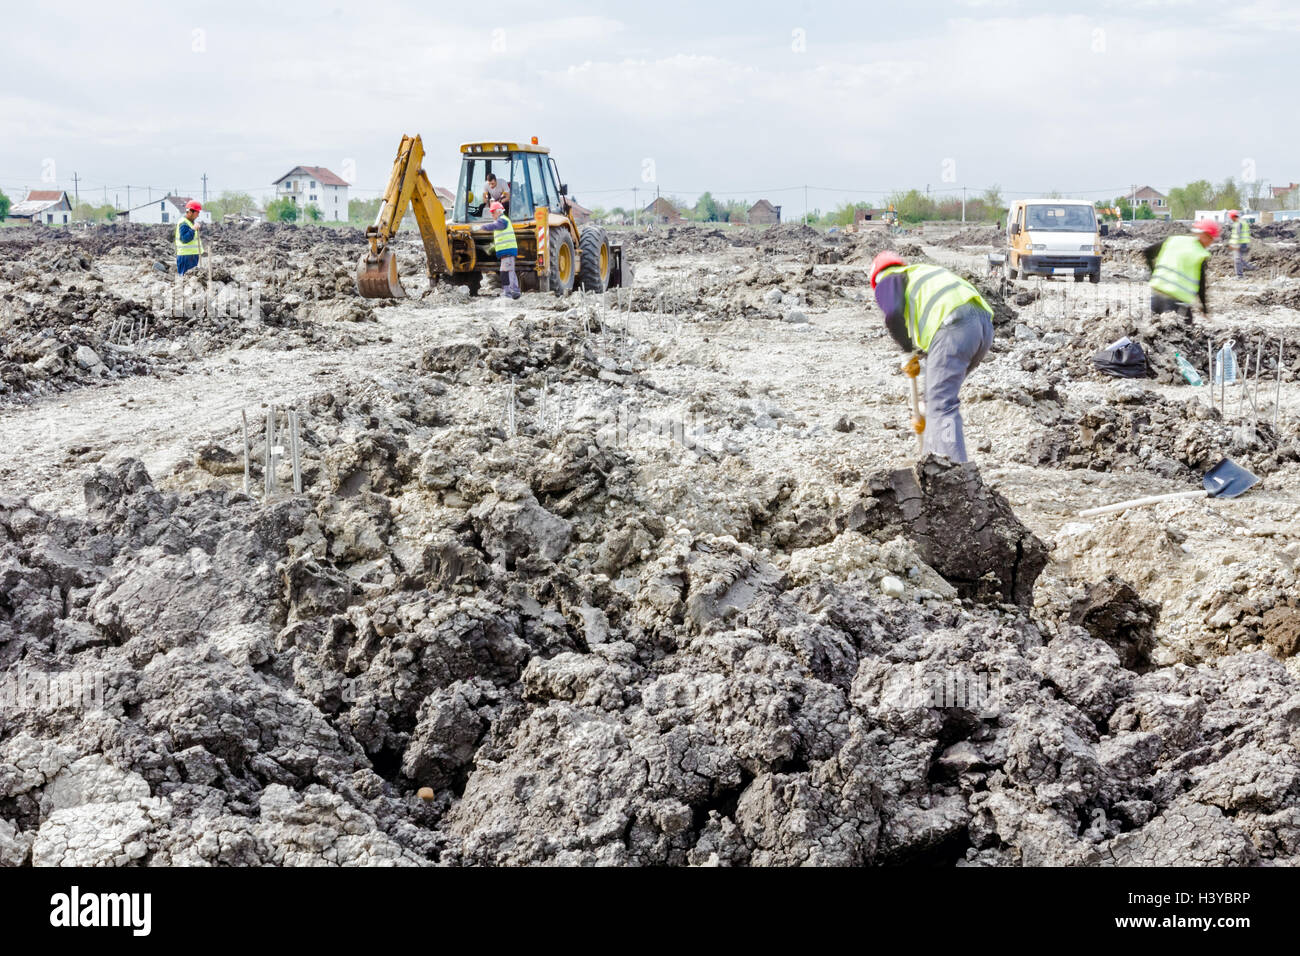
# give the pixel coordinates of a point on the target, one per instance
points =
(763, 213)
(48, 207)
(581, 213)
(1277, 192)
(1156, 200)
(861, 215)
(161, 212)
(661, 210)
(305, 185)
(1286, 215)
(446, 197)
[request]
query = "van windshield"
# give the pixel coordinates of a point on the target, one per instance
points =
(1049, 218)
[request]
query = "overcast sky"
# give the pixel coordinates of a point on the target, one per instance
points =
(747, 99)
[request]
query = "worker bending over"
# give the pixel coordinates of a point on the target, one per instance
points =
(506, 248)
(1239, 239)
(1177, 265)
(188, 245)
(931, 311)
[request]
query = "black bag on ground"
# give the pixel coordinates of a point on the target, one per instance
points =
(1122, 359)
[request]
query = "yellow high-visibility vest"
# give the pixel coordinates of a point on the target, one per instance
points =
(192, 248)
(503, 240)
(1240, 233)
(1177, 271)
(932, 293)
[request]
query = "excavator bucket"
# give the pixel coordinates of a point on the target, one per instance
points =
(377, 276)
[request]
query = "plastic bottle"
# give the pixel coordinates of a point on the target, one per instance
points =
(1225, 365)
(1193, 377)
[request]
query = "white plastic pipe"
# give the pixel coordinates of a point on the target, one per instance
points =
(1142, 502)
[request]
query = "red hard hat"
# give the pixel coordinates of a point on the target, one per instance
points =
(1207, 226)
(1233, 214)
(496, 209)
(195, 205)
(882, 262)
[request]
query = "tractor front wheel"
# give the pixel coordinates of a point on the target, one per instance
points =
(561, 258)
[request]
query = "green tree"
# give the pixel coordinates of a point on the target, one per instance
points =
(1227, 196)
(231, 204)
(313, 213)
(86, 212)
(282, 210)
(1185, 200)
(5, 203)
(362, 212)
(913, 206)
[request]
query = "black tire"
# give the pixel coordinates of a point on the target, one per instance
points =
(1094, 277)
(1078, 277)
(560, 247)
(593, 269)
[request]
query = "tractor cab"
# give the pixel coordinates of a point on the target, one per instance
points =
(527, 172)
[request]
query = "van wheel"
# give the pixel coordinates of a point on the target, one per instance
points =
(1078, 277)
(1094, 277)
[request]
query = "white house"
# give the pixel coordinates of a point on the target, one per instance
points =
(305, 185)
(166, 211)
(48, 207)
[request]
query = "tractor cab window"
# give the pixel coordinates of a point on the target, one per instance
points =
(471, 193)
(533, 193)
(552, 177)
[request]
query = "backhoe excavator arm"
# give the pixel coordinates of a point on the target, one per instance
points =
(407, 186)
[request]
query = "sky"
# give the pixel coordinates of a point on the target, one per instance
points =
(747, 100)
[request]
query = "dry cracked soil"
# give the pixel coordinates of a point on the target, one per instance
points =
(653, 577)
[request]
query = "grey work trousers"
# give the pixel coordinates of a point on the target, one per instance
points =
(956, 349)
(1241, 259)
(509, 278)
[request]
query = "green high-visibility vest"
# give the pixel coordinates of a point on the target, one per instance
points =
(192, 248)
(503, 240)
(1177, 272)
(1240, 233)
(932, 293)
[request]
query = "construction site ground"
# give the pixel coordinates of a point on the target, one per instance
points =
(632, 692)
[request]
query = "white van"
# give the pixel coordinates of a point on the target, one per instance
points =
(1054, 237)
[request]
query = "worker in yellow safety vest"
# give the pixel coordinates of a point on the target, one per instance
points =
(506, 248)
(188, 245)
(1239, 239)
(1177, 264)
(936, 313)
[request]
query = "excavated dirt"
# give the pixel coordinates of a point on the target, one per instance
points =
(647, 578)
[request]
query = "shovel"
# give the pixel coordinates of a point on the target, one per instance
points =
(1227, 479)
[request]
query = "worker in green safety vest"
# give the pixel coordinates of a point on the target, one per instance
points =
(1177, 264)
(188, 245)
(931, 311)
(1239, 240)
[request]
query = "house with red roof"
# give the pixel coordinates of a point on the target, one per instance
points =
(308, 185)
(48, 207)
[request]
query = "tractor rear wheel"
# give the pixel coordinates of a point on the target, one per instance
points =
(561, 258)
(593, 245)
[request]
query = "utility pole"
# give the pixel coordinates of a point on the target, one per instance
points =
(963, 205)
(75, 191)
(1133, 204)
(635, 208)
(128, 196)
(805, 205)
(205, 189)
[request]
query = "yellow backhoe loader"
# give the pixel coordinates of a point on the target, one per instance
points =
(555, 252)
